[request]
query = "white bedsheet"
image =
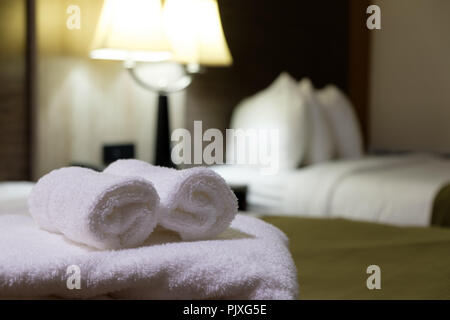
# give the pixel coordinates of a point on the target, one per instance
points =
(265, 193)
(396, 190)
(13, 197)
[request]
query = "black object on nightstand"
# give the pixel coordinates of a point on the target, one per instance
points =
(115, 152)
(241, 194)
(111, 153)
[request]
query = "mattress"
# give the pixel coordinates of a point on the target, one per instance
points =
(398, 190)
(332, 257)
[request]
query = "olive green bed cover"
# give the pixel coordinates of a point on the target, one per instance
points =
(332, 257)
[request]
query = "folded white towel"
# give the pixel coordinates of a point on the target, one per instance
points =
(197, 203)
(97, 209)
(248, 261)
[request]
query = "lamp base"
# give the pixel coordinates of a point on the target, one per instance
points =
(163, 152)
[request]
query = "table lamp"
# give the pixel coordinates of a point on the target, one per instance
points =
(188, 32)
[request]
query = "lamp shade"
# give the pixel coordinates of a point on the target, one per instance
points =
(194, 30)
(131, 30)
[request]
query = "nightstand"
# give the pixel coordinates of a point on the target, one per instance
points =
(240, 190)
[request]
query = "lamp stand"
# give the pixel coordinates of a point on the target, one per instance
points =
(162, 151)
(163, 154)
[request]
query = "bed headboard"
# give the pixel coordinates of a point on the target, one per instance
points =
(326, 40)
(16, 93)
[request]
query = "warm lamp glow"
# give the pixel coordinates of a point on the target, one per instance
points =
(186, 31)
(195, 32)
(131, 30)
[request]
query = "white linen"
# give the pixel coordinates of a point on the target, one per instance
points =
(197, 203)
(12, 195)
(402, 194)
(279, 107)
(397, 190)
(264, 192)
(250, 260)
(321, 143)
(343, 122)
(96, 209)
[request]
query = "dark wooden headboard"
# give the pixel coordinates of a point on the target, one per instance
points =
(16, 90)
(325, 40)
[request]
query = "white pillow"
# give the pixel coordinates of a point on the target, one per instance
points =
(321, 145)
(343, 122)
(281, 107)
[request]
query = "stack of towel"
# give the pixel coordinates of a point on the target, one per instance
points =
(141, 231)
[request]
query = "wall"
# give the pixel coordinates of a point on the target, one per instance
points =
(14, 163)
(83, 103)
(410, 76)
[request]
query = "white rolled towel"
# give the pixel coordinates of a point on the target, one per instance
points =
(197, 203)
(97, 209)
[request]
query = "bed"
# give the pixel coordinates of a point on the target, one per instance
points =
(332, 256)
(403, 190)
